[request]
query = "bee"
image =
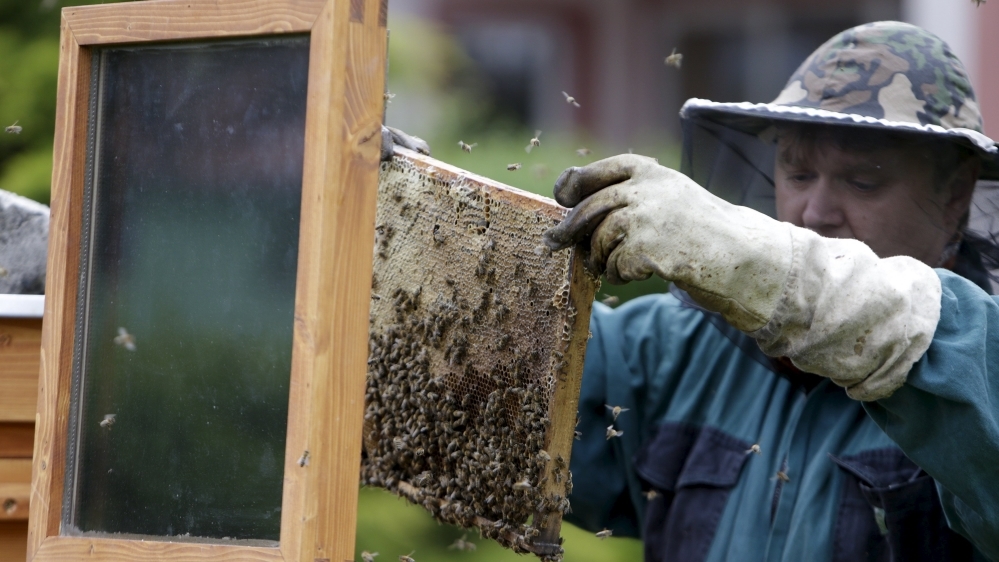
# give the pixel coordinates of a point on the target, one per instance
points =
(407, 557)
(108, 421)
(540, 170)
(522, 485)
(303, 460)
(544, 455)
(674, 59)
(604, 534)
(4, 272)
(611, 300)
(467, 147)
(616, 410)
(14, 129)
(612, 433)
(388, 97)
(513, 167)
(579, 435)
(651, 494)
(368, 556)
(570, 100)
(535, 142)
(782, 476)
(978, 3)
(754, 449)
(581, 152)
(462, 545)
(125, 339)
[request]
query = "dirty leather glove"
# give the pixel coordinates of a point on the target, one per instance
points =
(830, 305)
(391, 137)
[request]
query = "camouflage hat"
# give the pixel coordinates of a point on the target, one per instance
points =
(885, 74)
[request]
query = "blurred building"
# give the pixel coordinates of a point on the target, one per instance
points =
(609, 54)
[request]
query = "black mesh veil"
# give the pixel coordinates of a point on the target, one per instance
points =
(732, 164)
(738, 166)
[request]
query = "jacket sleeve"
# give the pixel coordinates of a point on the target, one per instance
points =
(946, 416)
(633, 361)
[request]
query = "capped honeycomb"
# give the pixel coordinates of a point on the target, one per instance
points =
(476, 353)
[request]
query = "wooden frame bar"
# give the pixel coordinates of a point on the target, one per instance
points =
(330, 342)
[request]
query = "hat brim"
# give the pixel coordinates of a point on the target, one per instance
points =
(756, 118)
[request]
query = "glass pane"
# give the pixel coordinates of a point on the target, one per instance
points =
(189, 290)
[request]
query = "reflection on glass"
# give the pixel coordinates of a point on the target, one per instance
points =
(189, 290)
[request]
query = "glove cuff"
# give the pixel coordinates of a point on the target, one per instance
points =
(850, 316)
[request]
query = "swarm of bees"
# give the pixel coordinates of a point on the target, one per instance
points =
(674, 59)
(13, 129)
(467, 348)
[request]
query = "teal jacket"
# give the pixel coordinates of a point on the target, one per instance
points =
(911, 477)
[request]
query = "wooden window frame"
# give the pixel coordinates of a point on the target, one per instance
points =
(330, 344)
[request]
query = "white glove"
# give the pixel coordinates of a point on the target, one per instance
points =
(830, 305)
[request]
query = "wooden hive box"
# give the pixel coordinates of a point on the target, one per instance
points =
(20, 353)
(477, 340)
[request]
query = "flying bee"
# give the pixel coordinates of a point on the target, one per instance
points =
(407, 557)
(674, 59)
(612, 433)
(570, 100)
(754, 449)
(978, 3)
(14, 129)
(368, 556)
(513, 167)
(303, 460)
(782, 476)
(611, 300)
(651, 494)
(467, 147)
(125, 339)
(535, 142)
(108, 421)
(581, 152)
(540, 170)
(462, 545)
(579, 435)
(615, 410)
(604, 534)
(4, 272)
(522, 485)
(388, 97)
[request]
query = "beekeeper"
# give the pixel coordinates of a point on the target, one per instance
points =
(824, 384)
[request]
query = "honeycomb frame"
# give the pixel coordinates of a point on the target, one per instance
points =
(477, 340)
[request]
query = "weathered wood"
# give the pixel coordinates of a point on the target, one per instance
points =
(20, 353)
(17, 438)
(342, 147)
(168, 20)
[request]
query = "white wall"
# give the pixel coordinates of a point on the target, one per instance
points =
(951, 20)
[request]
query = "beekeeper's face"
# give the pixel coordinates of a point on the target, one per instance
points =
(887, 195)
